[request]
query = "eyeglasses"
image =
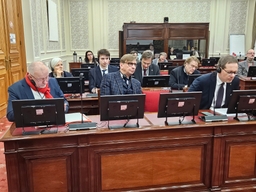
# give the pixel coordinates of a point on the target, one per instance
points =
(41, 79)
(131, 64)
(193, 66)
(229, 72)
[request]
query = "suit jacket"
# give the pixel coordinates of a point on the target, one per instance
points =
(65, 74)
(207, 83)
(112, 84)
(95, 76)
(21, 90)
(153, 70)
(178, 78)
(243, 67)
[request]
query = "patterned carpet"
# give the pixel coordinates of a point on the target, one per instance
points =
(4, 124)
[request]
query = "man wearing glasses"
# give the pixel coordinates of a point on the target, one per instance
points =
(36, 85)
(145, 68)
(121, 82)
(218, 86)
(243, 66)
(179, 75)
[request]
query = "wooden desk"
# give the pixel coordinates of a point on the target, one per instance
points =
(216, 156)
(73, 65)
(247, 83)
(90, 105)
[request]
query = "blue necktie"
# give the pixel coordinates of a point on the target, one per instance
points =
(220, 96)
(104, 72)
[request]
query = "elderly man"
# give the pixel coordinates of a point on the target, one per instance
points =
(36, 85)
(243, 66)
(121, 82)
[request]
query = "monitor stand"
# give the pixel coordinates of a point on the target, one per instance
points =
(245, 118)
(41, 130)
(125, 125)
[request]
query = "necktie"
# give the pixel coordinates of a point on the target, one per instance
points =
(126, 80)
(145, 72)
(104, 72)
(220, 96)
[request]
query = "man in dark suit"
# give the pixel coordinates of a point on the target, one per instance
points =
(145, 68)
(96, 73)
(36, 85)
(179, 75)
(121, 82)
(210, 84)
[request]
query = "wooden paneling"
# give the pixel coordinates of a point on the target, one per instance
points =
(217, 156)
(12, 50)
(165, 32)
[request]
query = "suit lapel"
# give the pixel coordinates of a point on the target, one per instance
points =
(213, 82)
(119, 82)
(27, 90)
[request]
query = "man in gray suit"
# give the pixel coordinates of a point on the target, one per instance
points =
(121, 82)
(145, 68)
(243, 66)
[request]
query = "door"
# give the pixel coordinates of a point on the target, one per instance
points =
(12, 48)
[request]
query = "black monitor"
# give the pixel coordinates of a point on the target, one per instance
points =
(117, 65)
(155, 81)
(87, 65)
(179, 105)
(117, 107)
(192, 77)
(243, 101)
(76, 72)
(179, 55)
(164, 65)
(115, 60)
(71, 84)
(38, 112)
(216, 59)
(251, 71)
(208, 62)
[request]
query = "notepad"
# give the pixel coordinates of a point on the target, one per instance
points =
(76, 118)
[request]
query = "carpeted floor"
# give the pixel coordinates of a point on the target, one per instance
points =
(4, 124)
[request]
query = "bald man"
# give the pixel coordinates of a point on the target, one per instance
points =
(243, 66)
(36, 85)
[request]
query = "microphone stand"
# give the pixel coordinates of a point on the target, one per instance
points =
(82, 125)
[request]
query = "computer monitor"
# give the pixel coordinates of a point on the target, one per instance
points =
(216, 59)
(164, 65)
(186, 54)
(179, 105)
(251, 71)
(208, 62)
(87, 65)
(192, 77)
(38, 112)
(155, 81)
(117, 65)
(71, 84)
(76, 72)
(179, 55)
(243, 101)
(119, 107)
(115, 60)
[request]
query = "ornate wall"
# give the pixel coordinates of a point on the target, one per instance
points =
(94, 24)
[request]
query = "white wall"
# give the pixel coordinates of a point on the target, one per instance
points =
(94, 24)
